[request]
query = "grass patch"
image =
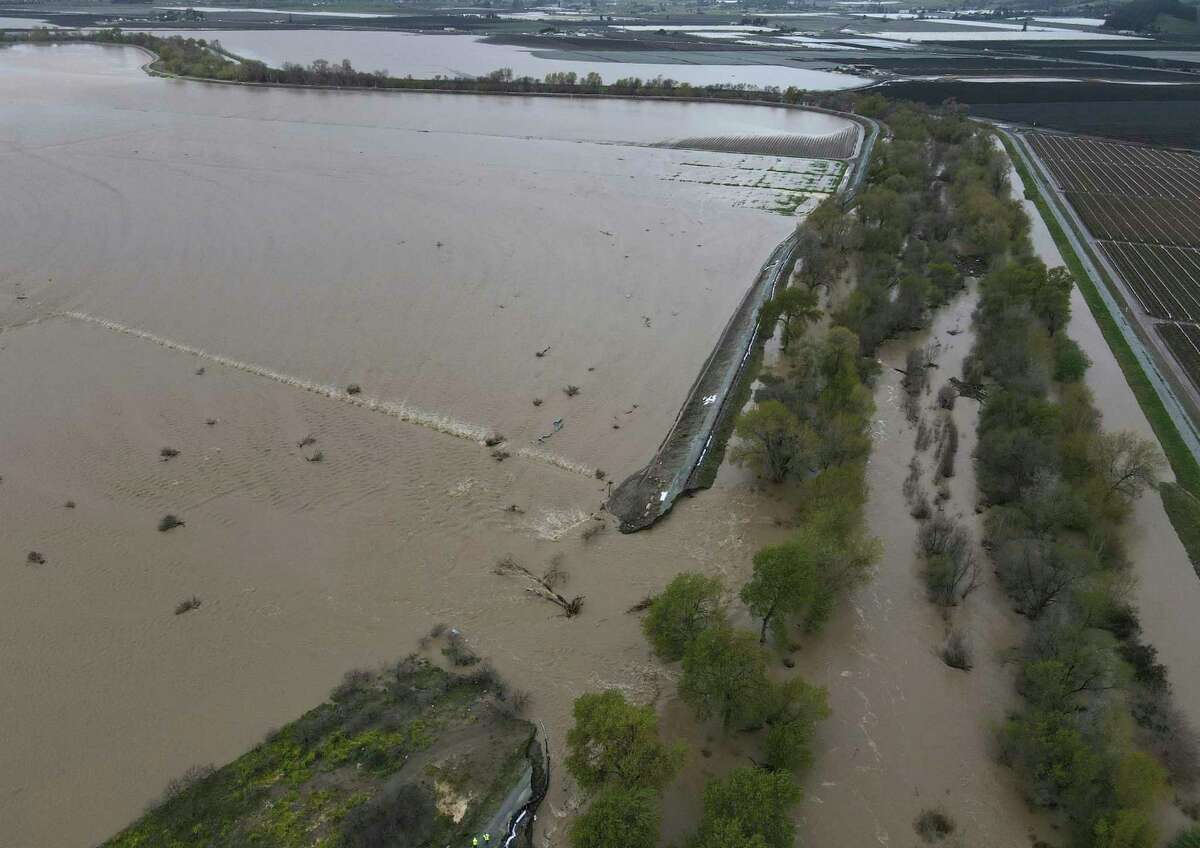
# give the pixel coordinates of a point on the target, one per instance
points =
(1183, 463)
(357, 770)
(1183, 508)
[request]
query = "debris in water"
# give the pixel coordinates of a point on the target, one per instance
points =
(35, 558)
(353, 389)
(540, 353)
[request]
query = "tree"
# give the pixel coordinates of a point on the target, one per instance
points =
(690, 604)
(619, 817)
(1052, 299)
(793, 711)
(1129, 828)
(724, 674)
(614, 741)
(748, 803)
(772, 439)
(795, 306)
(1126, 462)
(781, 584)
(728, 833)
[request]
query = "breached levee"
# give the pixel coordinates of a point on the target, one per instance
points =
(648, 494)
(440, 422)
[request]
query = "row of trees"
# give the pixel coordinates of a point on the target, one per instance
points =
(198, 58)
(1098, 736)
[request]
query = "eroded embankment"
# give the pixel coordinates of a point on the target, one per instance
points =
(648, 494)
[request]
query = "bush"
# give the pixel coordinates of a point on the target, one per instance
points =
(401, 814)
(750, 803)
(1070, 362)
(187, 605)
(956, 652)
(933, 825)
(169, 522)
(353, 682)
(1189, 838)
(458, 651)
(619, 817)
(616, 742)
(689, 604)
(950, 565)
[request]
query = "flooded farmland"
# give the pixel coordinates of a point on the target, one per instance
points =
(427, 55)
(208, 269)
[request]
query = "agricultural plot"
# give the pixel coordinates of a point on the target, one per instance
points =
(764, 182)
(1163, 280)
(1184, 342)
(1142, 205)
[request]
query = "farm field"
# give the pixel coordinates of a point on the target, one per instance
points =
(1184, 342)
(1142, 205)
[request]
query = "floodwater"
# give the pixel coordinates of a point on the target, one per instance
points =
(290, 243)
(427, 55)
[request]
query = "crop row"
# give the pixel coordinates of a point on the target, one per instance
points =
(1184, 342)
(1164, 280)
(1139, 219)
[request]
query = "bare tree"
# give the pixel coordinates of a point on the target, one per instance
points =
(543, 586)
(1128, 463)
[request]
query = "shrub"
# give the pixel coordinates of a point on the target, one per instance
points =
(353, 681)
(458, 651)
(353, 389)
(401, 814)
(35, 558)
(187, 605)
(168, 453)
(689, 604)
(169, 522)
(570, 391)
(624, 816)
(950, 571)
(1189, 838)
(615, 742)
(176, 786)
(933, 825)
(946, 396)
(956, 652)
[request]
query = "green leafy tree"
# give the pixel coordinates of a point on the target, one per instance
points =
(796, 308)
(729, 833)
(689, 605)
(747, 803)
(619, 817)
(724, 674)
(794, 710)
(1128, 828)
(781, 585)
(772, 439)
(615, 741)
(1052, 299)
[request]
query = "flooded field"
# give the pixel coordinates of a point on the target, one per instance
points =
(425, 55)
(207, 269)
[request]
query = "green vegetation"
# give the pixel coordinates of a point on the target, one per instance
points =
(614, 753)
(198, 59)
(689, 605)
(616, 742)
(1060, 489)
(1183, 508)
(1183, 462)
(618, 817)
(748, 807)
(387, 760)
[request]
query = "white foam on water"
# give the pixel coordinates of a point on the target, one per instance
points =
(403, 411)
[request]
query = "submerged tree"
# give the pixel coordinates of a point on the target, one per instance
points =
(614, 741)
(689, 605)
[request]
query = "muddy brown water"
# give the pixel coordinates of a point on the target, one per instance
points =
(291, 243)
